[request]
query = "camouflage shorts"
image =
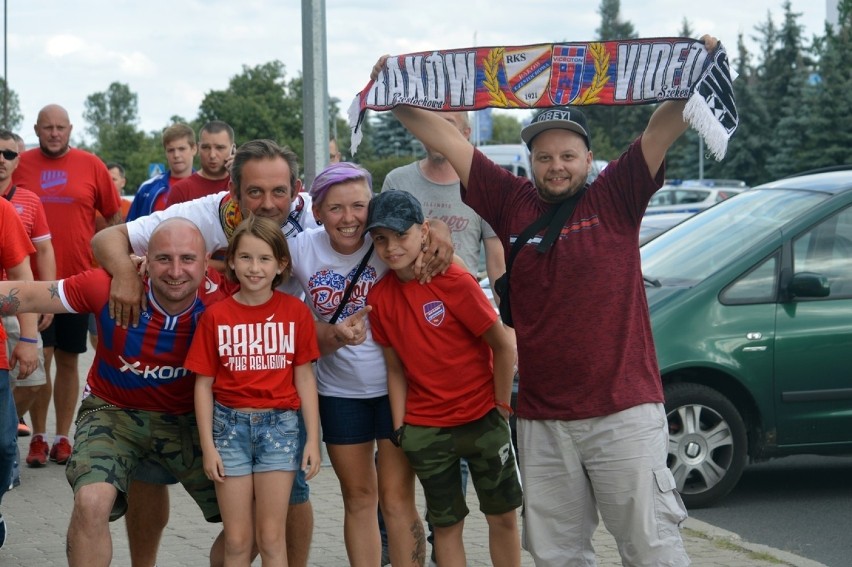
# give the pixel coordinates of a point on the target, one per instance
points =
(110, 442)
(486, 444)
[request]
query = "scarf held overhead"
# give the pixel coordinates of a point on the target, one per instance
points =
(621, 72)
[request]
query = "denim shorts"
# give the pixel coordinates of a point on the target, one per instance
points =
(349, 421)
(153, 472)
(257, 441)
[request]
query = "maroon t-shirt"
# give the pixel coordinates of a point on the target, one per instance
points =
(585, 347)
(195, 186)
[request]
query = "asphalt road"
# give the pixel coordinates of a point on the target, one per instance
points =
(799, 504)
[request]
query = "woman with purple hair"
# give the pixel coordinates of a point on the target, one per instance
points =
(336, 267)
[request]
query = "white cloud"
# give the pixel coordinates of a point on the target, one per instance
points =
(62, 45)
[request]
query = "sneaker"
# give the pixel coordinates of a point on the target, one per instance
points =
(23, 429)
(39, 450)
(2, 531)
(60, 452)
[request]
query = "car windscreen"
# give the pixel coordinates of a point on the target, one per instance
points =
(699, 246)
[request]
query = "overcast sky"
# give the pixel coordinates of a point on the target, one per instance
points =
(172, 52)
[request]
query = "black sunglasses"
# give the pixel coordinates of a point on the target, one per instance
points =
(9, 155)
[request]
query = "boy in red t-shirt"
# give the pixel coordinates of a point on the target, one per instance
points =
(450, 369)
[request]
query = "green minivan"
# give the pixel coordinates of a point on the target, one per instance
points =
(751, 307)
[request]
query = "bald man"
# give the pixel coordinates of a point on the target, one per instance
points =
(138, 404)
(72, 184)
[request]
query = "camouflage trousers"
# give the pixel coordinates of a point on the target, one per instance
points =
(486, 444)
(110, 442)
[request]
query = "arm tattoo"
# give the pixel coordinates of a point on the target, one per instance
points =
(53, 290)
(9, 304)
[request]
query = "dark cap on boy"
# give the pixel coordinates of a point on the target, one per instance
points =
(394, 210)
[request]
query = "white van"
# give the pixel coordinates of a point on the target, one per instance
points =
(514, 157)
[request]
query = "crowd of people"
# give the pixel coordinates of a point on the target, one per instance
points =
(240, 319)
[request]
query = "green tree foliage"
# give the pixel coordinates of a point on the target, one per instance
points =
(614, 127)
(259, 103)
(390, 138)
(505, 129)
(111, 118)
(829, 132)
(13, 117)
(748, 149)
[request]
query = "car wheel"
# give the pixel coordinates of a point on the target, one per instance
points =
(708, 445)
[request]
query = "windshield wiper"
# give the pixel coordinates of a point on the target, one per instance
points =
(652, 281)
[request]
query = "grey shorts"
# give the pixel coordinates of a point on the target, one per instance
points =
(13, 332)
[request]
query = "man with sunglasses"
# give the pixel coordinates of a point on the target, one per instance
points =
(72, 184)
(43, 264)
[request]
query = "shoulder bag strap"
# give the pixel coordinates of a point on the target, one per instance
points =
(554, 218)
(348, 291)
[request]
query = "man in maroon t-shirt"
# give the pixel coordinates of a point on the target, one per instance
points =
(216, 151)
(592, 430)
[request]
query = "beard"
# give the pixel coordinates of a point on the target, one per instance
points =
(549, 196)
(54, 154)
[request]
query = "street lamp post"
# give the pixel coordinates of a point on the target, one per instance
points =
(5, 74)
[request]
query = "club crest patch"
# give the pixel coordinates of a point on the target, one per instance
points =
(434, 312)
(229, 215)
(53, 181)
(528, 72)
(567, 75)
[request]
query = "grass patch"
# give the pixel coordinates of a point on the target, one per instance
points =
(730, 545)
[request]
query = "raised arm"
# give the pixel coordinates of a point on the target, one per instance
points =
(667, 124)
(126, 293)
(435, 132)
(439, 134)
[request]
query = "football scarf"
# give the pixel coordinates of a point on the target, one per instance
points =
(621, 72)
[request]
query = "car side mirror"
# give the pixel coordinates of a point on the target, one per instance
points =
(809, 284)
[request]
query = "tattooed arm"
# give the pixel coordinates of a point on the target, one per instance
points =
(24, 354)
(30, 297)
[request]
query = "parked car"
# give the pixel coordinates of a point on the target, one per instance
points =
(654, 225)
(598, 165)
(691, 196)
(751, 309)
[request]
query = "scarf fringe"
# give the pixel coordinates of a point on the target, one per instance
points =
(356, 116)
(700, 117)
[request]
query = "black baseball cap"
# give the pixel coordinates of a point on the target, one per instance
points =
(557, 118)
(396, 210)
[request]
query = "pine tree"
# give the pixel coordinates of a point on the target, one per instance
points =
(613, 128)
(747, 149)
(828, 136)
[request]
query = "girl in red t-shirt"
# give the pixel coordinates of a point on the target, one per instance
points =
(252, 357)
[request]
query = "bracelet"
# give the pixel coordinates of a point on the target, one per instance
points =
(396, 435)
(28, 340)
(505, 406)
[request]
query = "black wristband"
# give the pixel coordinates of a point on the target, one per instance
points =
(396, 435)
